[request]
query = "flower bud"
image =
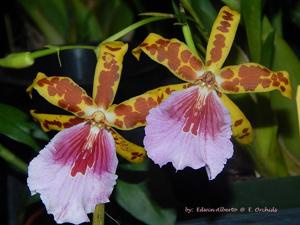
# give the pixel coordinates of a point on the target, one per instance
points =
(17, 60)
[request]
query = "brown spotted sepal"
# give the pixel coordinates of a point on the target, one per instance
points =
(241, 128)
(108, 72)
(221, 38)
(252, 77)
(55, 122)
(173, 54)
(128, 150)
(62, 92)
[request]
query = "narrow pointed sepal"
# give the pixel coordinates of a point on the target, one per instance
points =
(241, 128)
(221, 38)
(190, 129)
(108, 72)
(55, 122)
(62, 92)
(173, 54)
(128, 150)
(74, 172)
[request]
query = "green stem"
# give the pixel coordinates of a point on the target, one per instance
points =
(55, 49)
(11, 158)
(135, 26)
(188, 38)
(190, 9)
(98, 215)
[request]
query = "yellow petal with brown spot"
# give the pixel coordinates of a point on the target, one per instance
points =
(240, 125)
(221, 38)
(55, 122)
(252, 77)
(108, 72)
(128, 150)
(173, 54)
(62, 92)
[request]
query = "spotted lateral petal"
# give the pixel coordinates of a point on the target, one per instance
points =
(190, 128)
(240, 125)
(173, 54)
(252, 77)
(128, 150)
(132, 112)
(55, 122)
(74, 172)
(108, 72)
(62, 92)
(221, 38)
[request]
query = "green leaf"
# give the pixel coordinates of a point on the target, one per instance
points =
(267, 154)
(277, 23)
(233, 4)
(206, 12)
(292, 162)
(121, 18)
(251, 14)
(113, 16)
(12, 159)
(56, 12)
(135, 199)
(49, 30)
(285, 59)
(141, 167)
(203, 14)
(295, 14)
(87, 27)
(268, 35)
(265, 150)
(176, 10)
(236, 56)
(16, 125)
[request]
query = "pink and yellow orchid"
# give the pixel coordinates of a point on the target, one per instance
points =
(77, 169)
(193, 126)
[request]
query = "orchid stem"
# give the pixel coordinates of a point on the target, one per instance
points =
(187, 32)
(98, 216)
(188, 38)
(135, 26)
(186, 4)
(55, 49)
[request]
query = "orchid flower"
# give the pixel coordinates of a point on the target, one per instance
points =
(77, 169)
(193, 126)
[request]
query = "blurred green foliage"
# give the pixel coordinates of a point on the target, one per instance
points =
(77, 21)
(18, 126)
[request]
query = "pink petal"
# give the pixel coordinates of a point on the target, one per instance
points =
(74, 172)
(190, 128)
